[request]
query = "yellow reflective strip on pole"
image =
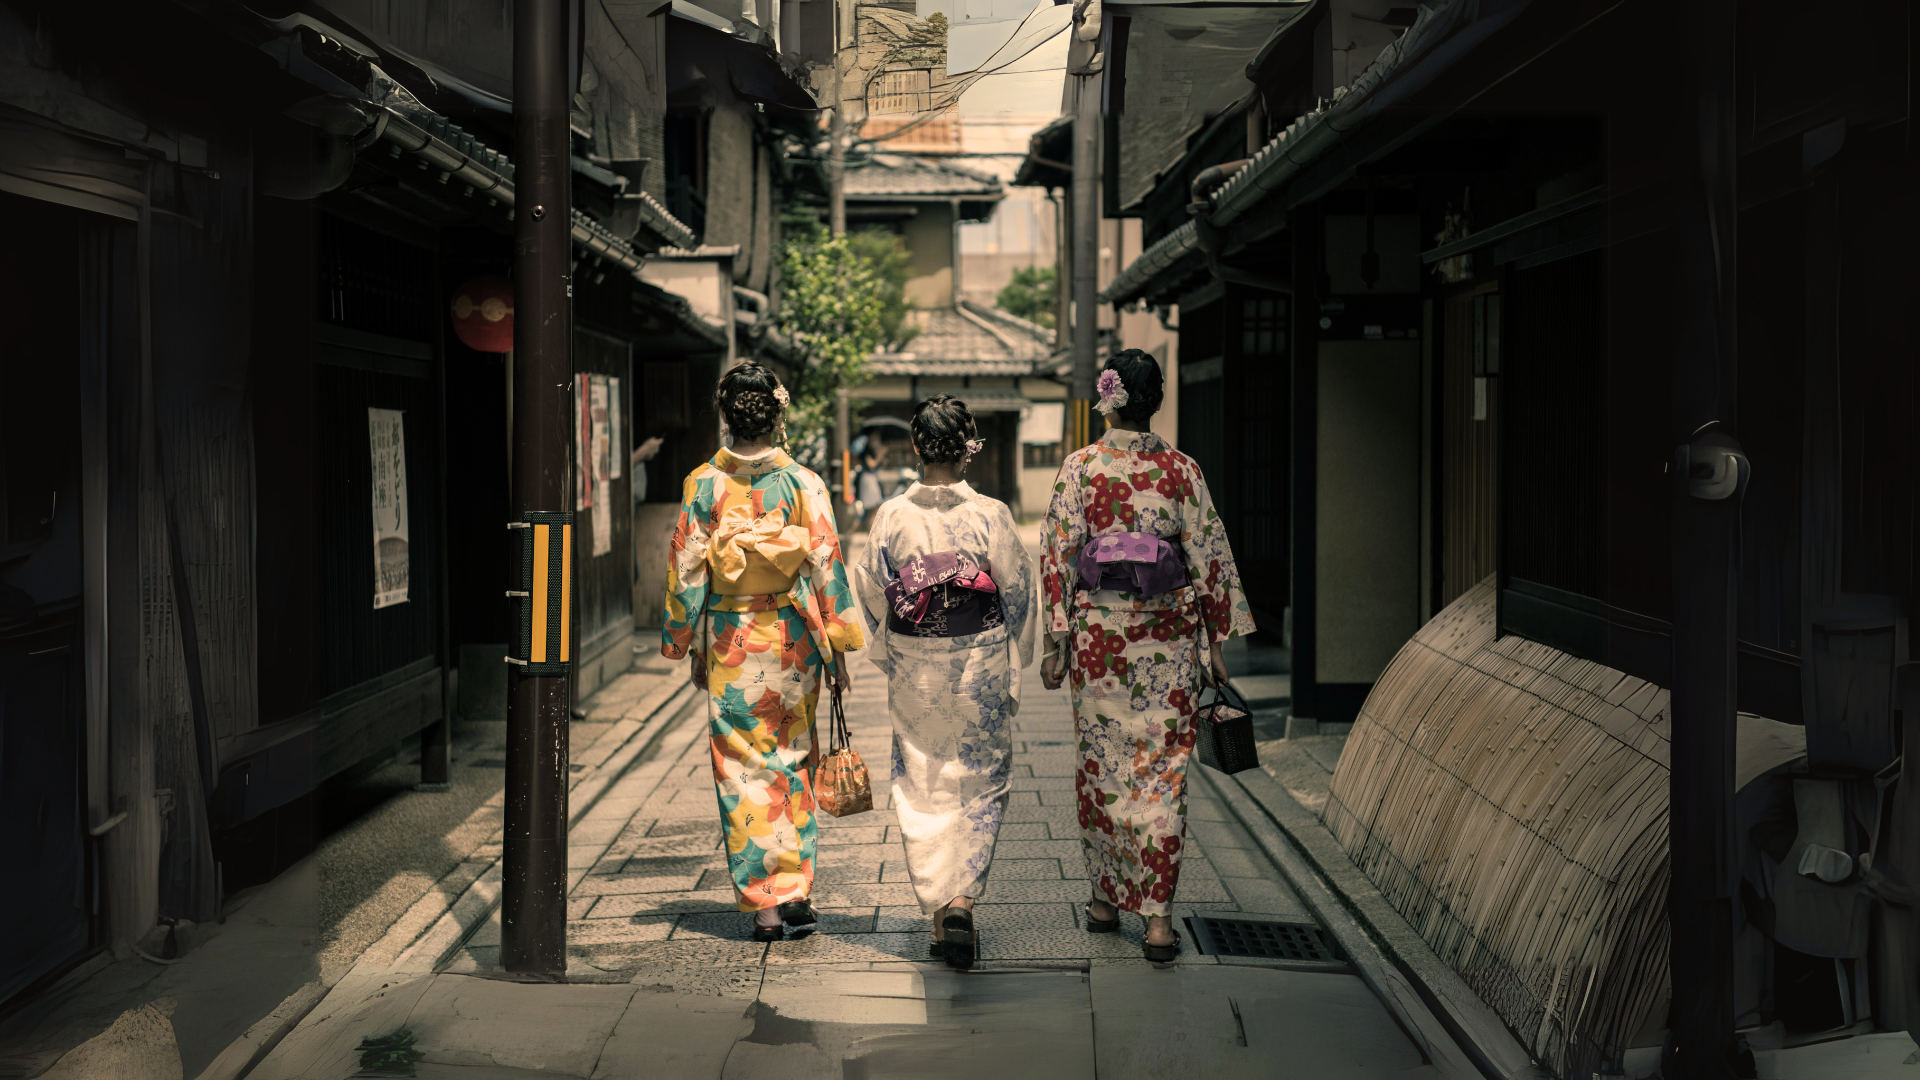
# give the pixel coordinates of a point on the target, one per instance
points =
(566, 592)
(537, 653)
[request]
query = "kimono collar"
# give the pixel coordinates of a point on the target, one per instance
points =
(773, 459)
(1138, 442)
(939, 496)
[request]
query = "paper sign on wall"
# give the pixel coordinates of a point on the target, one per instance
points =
(600, 433)
(616, 425)
(386, 435)
(582, 443)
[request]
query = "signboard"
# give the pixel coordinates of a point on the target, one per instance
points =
(600, 441)
(386, 437)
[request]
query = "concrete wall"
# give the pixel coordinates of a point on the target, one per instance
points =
(730, 185)
(929, 238)
(1368, 575)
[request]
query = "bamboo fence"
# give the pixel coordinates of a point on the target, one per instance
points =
(1511, 802)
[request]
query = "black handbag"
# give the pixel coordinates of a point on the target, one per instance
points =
(1223, 732)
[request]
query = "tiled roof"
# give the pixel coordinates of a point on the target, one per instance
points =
(964, 341)
(895, 176)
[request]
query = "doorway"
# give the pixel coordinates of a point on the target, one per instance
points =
(43, 749)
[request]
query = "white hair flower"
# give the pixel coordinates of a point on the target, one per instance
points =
(974, 446)
(780, 395)
(1113, 396)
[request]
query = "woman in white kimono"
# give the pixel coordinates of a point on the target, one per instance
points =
(949, 595)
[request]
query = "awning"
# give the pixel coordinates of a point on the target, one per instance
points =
(710, 69)
(1049, 161)
(1184, 65)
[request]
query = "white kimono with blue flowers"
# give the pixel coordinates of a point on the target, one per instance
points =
(952, 698)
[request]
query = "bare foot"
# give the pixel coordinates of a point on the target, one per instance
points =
(1160, 930)
(1101, 910)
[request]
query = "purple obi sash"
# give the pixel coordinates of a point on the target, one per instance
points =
(945, 594)
(1139, 563)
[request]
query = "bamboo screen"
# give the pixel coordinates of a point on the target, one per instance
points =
(1510, 801)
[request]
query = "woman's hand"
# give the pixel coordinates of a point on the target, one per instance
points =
(698, 676)
(1053, 669)
(1215, 673)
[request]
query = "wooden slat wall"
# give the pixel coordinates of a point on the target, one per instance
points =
(1510, 801)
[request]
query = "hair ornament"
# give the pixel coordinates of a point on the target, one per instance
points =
(974, 446)
(780, 395)
(1113, 396)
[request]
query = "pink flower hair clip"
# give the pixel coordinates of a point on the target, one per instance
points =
(1113, 396)
(974, 446)
(780, 395)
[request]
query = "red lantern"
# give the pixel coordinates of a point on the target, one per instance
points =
(483, 314)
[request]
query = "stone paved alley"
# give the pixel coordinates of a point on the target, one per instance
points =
(664, 981)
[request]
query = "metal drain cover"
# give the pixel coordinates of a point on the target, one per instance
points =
(1298, 942)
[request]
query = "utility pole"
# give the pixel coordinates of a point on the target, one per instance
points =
(837, 139)
(1708, 475)
(534, 884)
(1086, 259)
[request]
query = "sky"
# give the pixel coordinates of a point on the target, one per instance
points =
(1024, 92)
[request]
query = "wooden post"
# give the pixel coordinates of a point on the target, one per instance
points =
(533, 918)
(1705, 555)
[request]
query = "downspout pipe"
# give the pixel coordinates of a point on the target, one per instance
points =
(1208, 235)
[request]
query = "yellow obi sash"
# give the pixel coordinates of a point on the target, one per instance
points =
(751, 556)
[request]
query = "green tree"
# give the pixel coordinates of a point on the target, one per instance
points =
(1029, 295)
(833, 306)
(888, 253)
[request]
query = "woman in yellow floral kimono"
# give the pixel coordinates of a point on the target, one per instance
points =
(757, 593)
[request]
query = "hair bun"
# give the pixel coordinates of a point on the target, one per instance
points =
(942, 427)
(1142, 381)
(748, 398)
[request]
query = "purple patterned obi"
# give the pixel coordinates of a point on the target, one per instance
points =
(1139, 563)
(945, 594)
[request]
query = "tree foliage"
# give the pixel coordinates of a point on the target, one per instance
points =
(1029, 295)
(888, 252)
(833, 305)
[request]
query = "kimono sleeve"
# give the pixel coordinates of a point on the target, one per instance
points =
(870, 579)
(1210, 566)
(1014, 577)
(687, 574)
(1062, 535)
(826, 568)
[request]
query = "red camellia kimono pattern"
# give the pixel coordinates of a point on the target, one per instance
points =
(1133, 659)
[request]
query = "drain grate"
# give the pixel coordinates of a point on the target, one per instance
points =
(1300, 942)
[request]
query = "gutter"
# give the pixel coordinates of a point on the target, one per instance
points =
(490, 172)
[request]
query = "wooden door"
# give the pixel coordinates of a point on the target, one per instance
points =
(1468, 386)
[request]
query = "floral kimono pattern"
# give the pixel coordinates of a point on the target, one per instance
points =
(1132, 659)
(751, 524)
(952, 698)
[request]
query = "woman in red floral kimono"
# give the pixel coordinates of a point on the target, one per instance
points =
(1139, 583)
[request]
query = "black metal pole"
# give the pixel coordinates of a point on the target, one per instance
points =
(1705, 556)
(533, 919)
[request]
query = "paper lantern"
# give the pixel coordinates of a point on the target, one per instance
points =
(483, 314)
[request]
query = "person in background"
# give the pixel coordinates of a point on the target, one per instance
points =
(637, 472)
(757, 595)
(867, 484)
(642, 454)
(1141, 593)
(949, 597)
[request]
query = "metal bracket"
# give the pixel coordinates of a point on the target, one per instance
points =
(1713, 464)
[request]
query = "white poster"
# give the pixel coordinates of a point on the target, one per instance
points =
(386, 434)
(616, 414)
(582, 444)
(600, 433)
